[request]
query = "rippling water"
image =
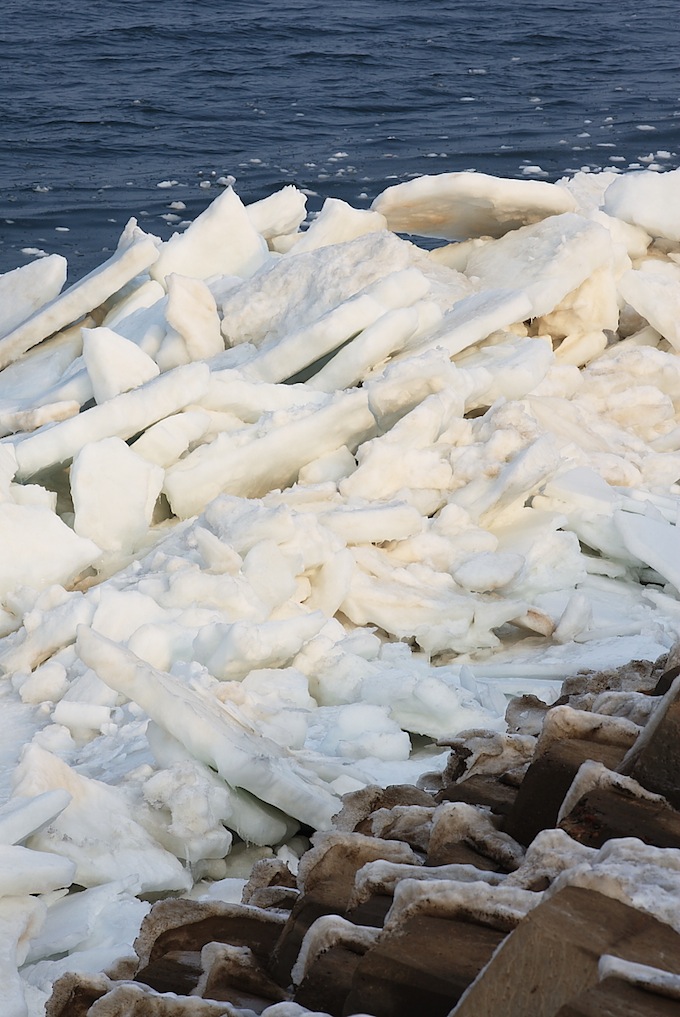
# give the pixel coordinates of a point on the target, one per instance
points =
(101, 102)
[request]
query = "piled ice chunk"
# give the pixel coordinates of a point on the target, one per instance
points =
(281, 507)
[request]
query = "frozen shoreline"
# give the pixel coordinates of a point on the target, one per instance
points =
(299, 503)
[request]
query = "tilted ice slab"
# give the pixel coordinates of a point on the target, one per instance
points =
(114, 494)
(19, 818)
(58, 555)
(114, 364)
(122, 416)
(655, 294)
(136, 253)
(278, 214)
(220, 241)
(213, 734)
(270, 461)
(24, 290)
(97, 831)
(455, 206)
(336, 223)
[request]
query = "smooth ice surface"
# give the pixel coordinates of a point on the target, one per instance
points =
(20, 817)
(640, 875)
(30, 872)
(646, 199)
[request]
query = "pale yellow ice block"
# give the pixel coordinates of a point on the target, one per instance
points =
(455, 206)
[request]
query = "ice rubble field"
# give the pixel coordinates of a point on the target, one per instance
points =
(279, 508)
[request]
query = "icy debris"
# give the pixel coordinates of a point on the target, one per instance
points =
(96, 830)
(213, 732)
(293, 504)
(460, 924)
(330, 931)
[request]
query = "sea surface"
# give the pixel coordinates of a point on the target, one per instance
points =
(114, 108)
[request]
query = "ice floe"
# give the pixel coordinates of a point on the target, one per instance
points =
(281, 507)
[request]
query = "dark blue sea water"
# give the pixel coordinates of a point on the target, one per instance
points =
(100, 102)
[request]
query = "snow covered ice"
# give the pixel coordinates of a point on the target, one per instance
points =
(281, 507)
